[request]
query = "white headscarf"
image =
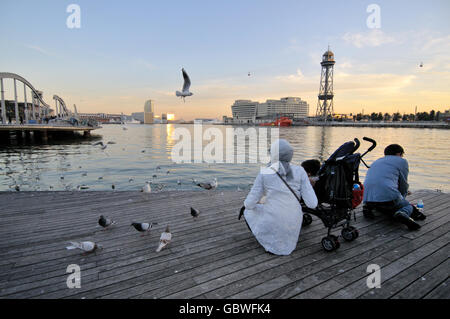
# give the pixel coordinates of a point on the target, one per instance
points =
(281, 151)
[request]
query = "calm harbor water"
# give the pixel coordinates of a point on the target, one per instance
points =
(141, 149)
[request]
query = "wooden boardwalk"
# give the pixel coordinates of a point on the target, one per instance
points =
(214, 256)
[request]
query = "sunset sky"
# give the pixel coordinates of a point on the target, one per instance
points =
(129, 51)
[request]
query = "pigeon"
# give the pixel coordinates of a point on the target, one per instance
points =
(208, 186)
(147, 188)
(105, 222)
(86, 246)
(143, 227)
(103, 146)
(195, 212)
(187, 84)
(165, 239)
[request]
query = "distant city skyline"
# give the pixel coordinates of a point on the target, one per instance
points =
(125, 53)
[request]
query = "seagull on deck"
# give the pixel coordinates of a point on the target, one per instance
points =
(143, 227)
(103, 146)
(86, 246)
(208, 186)
(165, 239)
(187, 84)
(147, 188)
(106, 222)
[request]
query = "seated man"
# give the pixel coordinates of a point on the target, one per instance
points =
(312, 167)
(386, 186)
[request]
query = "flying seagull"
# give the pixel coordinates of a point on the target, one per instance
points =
(165, 239)
(187, 83)
(86, 246)
(143, 227)
(101, 144)
(105, 222)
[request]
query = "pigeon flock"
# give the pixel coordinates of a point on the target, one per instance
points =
(143, 228)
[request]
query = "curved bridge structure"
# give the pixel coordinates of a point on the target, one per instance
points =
(61, 108)
(36, 99)
(34, 117)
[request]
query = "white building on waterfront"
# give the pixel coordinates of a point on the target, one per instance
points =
(249, 112)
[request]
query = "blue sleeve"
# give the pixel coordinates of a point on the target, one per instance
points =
(403, 179)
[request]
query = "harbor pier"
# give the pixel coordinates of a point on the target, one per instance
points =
(41, 132)
(36, 118)
(212, 256)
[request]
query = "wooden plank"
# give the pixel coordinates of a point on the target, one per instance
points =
(440, 292)
(359, 287)
(428, 281)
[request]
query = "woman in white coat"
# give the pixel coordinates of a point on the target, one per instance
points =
(276, 223)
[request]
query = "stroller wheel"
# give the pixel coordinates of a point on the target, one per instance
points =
(330, 243)
(307, 220)
(349, 233)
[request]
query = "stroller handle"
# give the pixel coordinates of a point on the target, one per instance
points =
(374, 144)
(357, 144)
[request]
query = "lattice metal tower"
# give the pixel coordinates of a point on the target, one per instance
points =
(325, 103)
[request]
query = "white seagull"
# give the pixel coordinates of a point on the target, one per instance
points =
(187, 83)
(147, 188)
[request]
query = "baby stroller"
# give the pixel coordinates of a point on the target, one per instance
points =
(338, 191)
